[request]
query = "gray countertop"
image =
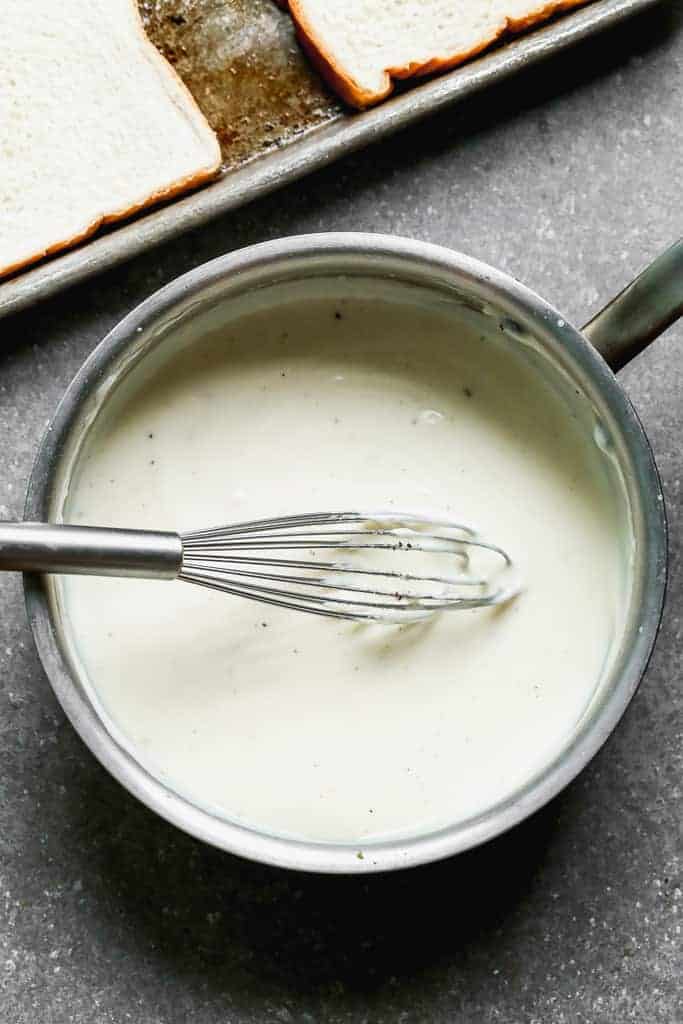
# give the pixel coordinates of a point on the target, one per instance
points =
(570, 179)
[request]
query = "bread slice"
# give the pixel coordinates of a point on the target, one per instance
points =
(360, 46)
(94, 124)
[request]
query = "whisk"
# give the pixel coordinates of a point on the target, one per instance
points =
(384, 567)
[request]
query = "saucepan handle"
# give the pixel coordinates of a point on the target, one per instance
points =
(644, 309)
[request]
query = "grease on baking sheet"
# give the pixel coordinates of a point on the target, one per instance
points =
(241, 62)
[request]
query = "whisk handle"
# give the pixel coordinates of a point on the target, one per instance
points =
(89, 550)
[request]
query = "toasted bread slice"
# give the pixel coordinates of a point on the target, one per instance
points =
(94, 124)
(361, 46)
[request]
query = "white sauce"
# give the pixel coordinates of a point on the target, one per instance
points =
(330, 730)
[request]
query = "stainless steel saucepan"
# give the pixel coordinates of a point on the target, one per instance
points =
(587, 358)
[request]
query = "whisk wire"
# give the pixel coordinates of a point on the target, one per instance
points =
(222, 559)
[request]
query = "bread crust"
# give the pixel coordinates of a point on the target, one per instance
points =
(354, 94)
(175, 188)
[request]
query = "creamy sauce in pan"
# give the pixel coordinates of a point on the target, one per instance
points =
(331, 730)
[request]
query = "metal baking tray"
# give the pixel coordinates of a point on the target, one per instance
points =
(275, 119)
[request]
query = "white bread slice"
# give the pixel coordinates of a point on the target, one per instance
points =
(94, 124)
(359, 46)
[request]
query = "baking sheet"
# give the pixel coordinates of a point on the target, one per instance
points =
(274, 117)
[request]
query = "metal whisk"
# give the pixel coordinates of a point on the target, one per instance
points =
(388, 567)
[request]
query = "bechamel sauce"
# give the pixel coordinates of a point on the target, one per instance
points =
(329, 730)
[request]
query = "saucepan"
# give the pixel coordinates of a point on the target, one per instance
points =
(588, 357)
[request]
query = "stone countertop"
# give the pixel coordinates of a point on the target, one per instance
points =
(570, 179)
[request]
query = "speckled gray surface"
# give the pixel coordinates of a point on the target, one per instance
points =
(569, 178)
